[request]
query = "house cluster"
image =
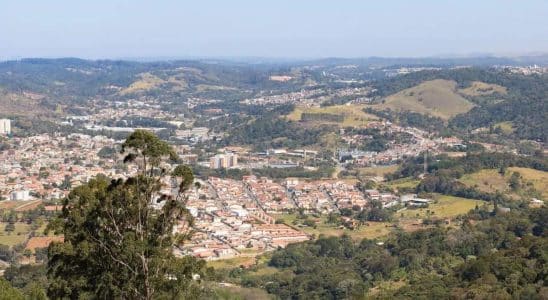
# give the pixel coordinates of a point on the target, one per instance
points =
(313, 97)
(230, 220)
(417, 141)
(271, 196)
(46, 166)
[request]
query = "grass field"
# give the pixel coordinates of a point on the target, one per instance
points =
(436, 97)
(374, 230)
(506, 127)
(489, 180)
(354, 116)
(146, 82)
(445, 207)
(207, 87)
(19, 235)
(378, 171)
(231, 263)
(241, 293)
(478, 88)
(403, 183)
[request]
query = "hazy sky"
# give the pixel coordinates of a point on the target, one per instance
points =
(280, 28)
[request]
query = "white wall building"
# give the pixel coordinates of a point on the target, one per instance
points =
(5, 126)
(23, 195)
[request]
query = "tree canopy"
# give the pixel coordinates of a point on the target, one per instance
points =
(119, 234)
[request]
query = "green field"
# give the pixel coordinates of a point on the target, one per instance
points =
(444, 207)
(231, 263)
(489, 180)
(241, 293)
(370, 231)
(378, 171)
(410, 183)
(19, 235)
(478, 88)
(506, 127)
(354, 116)
(437, 98)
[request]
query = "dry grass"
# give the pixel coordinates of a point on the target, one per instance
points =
(354, 116)
(18, 236)
(403, 183)
(42, 241)
(445, 207)
(438, 98)
(489, 180)
(478, 88)
(506, 127)
(241, 293)
(146, 82)
(370, 231)
(207, 87)
(19, 104)
(378, 171)
(231, 263)
(539, 179)
(486, 181)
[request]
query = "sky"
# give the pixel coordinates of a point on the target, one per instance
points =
(279, 29)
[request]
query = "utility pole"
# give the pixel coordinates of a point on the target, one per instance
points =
(425, 163)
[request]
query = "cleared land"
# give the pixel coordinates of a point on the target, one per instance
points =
(444, 207)
(370, 231)
(478, 88)
(506, 127)
(352, 115)
(409, 182)
(378, 171)
(19, 104)
(438, 98)
(489, 180)
(241, 293)
(147, 82)
(18, 236)
(232, 262)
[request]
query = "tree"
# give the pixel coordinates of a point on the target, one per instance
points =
(514, 181)
(9, 292)
(119, 236)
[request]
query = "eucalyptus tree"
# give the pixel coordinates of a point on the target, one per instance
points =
(119, 234)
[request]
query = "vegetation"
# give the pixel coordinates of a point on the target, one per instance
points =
(498, 257)
(116, 245)
(341, 115)
(437, 98)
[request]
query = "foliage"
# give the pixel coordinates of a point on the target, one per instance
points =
(116, 243)
(498, 256)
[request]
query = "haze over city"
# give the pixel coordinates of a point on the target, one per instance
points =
(283, 29)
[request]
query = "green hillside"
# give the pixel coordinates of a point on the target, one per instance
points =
(438, 98)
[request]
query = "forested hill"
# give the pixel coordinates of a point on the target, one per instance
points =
(523, 103)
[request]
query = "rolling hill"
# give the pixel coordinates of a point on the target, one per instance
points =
(489, 180)
(19, 104)
(439, 98)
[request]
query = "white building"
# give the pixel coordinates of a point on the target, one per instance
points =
(23, 195)
(227, 160)
(5, 126)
